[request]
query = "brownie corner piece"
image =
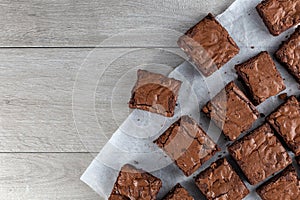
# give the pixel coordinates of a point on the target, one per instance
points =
(285, 185)
(259, 154)
(187, 144)
(209, 45)
(261, 77)
(220, 181)
(133, 183)
(178, 192)
(286, 122)
(231, 111)
(279, 15)
(288, 54)
(155, 93)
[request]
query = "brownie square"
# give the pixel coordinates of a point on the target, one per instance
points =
(209, 45)
(155, 93)
(187, 144)
(178, 193)
(279, 15)
(260, 154)
(286, 121)
(220, 181)
(231, 111)
(284, 186)
(288, 54)
(135, 183)
(261, 77)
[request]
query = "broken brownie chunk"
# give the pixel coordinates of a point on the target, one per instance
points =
(136, 184)
(155, 93)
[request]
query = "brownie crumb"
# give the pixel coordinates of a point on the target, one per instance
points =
(283, 96)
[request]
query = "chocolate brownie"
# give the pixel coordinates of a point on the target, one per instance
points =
(209, 45)
(178, 193)
(155, 93)
(286, 121)
(136, 184)
(288, 54)
(260, 154)
(220, 181)
(261, 77)
(231, 111)
(187, 144)
(284, 186)
(279, 15)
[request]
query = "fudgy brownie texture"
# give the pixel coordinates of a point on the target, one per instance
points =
(135, 184)
(231, 111)
(286, 121)
(261, 77)
(209, 45)
(178, 193)
(187, 144)
(220, 181)
(155, 93)
(260, 154)
(284, 186)
(288, 54)
(279, 15)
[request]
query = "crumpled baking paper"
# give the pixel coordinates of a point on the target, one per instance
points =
(132, 142)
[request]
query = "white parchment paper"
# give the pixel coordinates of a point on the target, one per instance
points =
(132, 142)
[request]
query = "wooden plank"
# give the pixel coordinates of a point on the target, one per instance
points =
(37, 86)
(61, 23)
(44, 176)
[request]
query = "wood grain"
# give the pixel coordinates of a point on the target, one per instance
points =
(61, 23)
(36, 87)
(44, 176)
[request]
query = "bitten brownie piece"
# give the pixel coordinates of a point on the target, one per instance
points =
(136, 184)
(187, 144)
(279, 15)
(286, 121)
(261, 77)
(284, 186)
(220, 181)
(155, 93)
(289, 54)
(209, 45)
(178, 193)
(260, 154)
(231, 111)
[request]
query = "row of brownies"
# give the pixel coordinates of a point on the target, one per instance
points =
(260, 153)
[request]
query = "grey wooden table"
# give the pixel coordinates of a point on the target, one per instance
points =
(43, 44)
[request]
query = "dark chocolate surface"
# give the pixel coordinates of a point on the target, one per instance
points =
(261, 77)
(178, 193)
(135, 184)
(208, 45)
(286, 121)
(155, 93)
(260, 154)
(284, 186)
(232, 111)
(187, 144)
(289, 54)
(279, 15)
(220, 181)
